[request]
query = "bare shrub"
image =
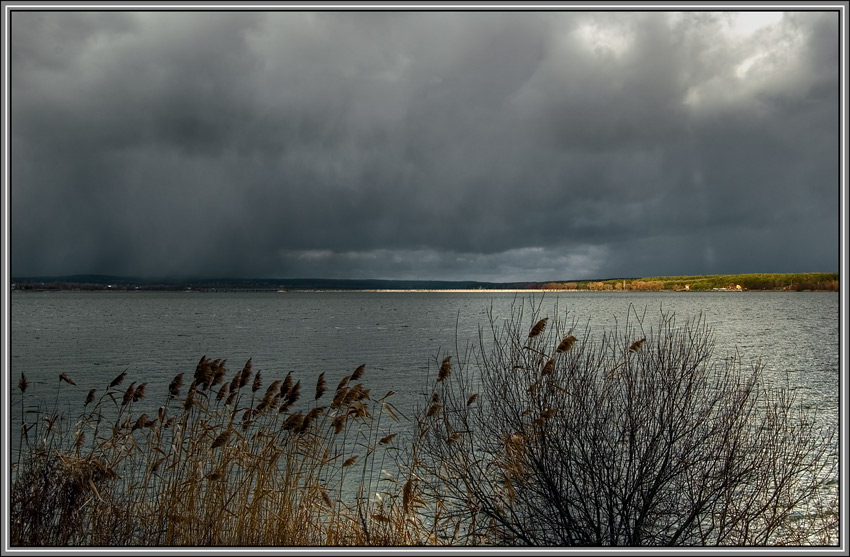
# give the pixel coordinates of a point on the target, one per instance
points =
(632, 437)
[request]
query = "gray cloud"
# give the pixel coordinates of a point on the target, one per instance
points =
(453, 145)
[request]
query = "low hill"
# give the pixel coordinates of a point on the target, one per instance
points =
(109, 282)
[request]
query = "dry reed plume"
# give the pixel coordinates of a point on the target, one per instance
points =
(219, 466)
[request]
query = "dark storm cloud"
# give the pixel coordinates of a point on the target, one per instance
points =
(456, 145)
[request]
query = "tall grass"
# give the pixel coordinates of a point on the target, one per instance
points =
(225, 461)
(542, 434)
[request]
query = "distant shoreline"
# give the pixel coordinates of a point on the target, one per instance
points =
(758, 282)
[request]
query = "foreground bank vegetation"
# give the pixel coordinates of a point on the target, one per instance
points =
(542, 434)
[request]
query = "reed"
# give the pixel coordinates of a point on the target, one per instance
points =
(217, 465)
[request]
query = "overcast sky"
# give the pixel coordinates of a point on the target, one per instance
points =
(490, 146)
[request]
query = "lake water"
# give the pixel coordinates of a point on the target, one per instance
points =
(400, 336)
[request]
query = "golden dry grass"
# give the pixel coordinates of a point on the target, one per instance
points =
(218, 465)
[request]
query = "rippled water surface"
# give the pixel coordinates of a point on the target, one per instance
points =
(94, 336)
